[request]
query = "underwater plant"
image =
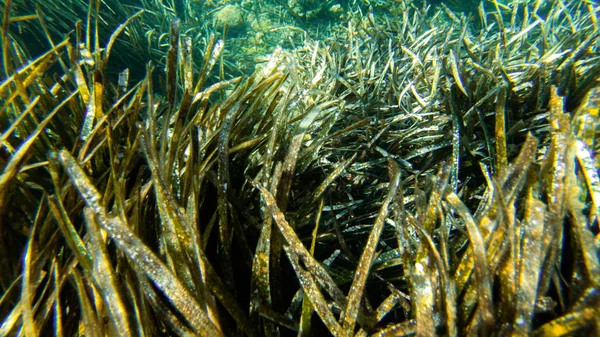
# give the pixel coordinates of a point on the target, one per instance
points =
(411, 174)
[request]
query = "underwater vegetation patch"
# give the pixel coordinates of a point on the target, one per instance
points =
(417, 170)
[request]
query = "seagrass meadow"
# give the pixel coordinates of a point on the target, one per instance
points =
(310, 168)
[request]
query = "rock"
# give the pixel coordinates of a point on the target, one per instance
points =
(231, 16)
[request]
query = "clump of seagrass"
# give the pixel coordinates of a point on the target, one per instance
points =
(417, 174)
